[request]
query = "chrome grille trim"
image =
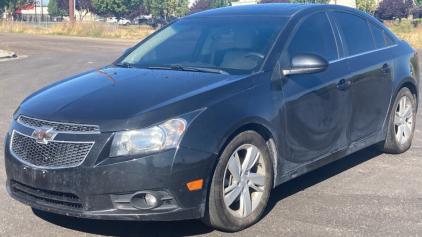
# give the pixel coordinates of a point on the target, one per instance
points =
(58, 126)
(81, 159)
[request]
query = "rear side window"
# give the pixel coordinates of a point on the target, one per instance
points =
(378, 37)
(314, 35)
(389, 40)
(356, 33)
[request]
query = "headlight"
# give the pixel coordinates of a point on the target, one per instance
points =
(161, 137)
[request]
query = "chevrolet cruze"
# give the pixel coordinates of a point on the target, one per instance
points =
(208, 114)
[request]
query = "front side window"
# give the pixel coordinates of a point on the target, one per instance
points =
(237, 45)
(356, 33)
(314, 35)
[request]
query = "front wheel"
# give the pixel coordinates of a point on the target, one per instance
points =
(401, 124)
(241, 184)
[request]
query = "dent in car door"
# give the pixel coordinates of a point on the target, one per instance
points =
(370, 64)
(317, 106)
(371, 89)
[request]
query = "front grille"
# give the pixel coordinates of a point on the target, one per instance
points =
(46, 197)
(59, 127)
(53, 154)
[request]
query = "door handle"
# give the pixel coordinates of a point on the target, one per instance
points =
(385, 68)
(343, 84)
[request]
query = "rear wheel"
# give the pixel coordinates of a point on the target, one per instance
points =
(401, 125)
(241, 184)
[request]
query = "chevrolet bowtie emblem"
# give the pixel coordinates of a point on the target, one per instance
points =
(43, 135)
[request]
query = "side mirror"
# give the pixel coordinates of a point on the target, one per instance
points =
(127, 50)
(306, 63)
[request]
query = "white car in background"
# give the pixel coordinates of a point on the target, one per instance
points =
(122, 21)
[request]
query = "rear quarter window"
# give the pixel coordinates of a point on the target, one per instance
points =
(378, 35)
(389, 41)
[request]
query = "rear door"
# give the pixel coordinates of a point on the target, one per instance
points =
(371, 64)
(318, 105)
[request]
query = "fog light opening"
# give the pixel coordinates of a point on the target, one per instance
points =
(147, 199)
(150, 200)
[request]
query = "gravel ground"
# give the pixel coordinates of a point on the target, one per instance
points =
(364, 194)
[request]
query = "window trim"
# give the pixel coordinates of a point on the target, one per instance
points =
(360, 54)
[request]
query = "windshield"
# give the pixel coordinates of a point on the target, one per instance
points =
(236, 45)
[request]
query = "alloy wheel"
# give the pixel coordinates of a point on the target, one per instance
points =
(244, 180)
(403, 120)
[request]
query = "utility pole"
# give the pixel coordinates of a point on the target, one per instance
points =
(35, 7)
(42, 13)
(71, 10)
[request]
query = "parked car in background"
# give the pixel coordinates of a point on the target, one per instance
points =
(207, 115)
(99, 19)
(156, 22)
(122, 21)
(58, 19)
(140, 21)
(172, 18)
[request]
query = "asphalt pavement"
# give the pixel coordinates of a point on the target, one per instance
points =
(364, 194)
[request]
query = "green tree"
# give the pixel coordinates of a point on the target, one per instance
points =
(220, 3)
(367, 6)
(310, 1)
(156, 7)
(12, 5)
(54, 10)
(117, 8)
(183, 8)
(167, 8)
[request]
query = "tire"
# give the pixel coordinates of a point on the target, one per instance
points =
(398, 140)
(235, 216)
(127, 24)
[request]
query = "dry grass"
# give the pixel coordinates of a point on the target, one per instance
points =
(95, 29)
(406, 31)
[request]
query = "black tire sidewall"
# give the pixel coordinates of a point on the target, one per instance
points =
(231, 222)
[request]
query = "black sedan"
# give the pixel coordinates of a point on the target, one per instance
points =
(208, 114)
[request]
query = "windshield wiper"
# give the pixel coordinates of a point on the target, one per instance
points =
(124, 64)
(179, 67)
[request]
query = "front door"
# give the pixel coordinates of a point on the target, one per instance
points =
(317, 106)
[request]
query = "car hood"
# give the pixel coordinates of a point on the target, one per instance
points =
(128, 98)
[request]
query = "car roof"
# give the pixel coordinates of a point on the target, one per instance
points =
(268, 9)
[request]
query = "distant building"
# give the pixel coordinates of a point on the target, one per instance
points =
(347, 3)
(30, 12)
(243, 2)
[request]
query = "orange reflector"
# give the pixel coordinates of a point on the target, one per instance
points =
(195, 185)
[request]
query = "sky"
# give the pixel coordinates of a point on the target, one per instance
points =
(44, 2)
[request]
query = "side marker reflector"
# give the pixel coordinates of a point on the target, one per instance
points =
(195, 185)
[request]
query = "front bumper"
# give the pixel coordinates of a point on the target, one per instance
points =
(101, 183)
